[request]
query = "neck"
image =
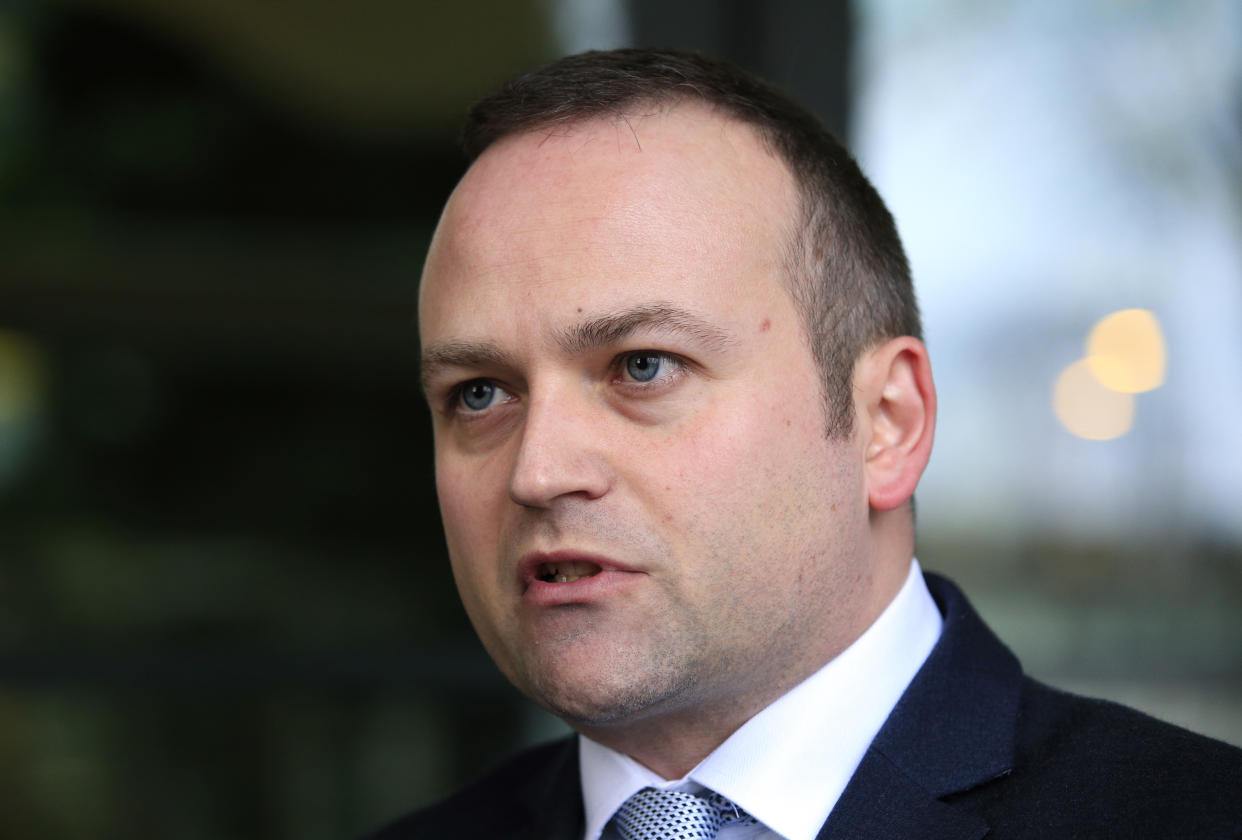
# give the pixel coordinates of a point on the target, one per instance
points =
(673, 744)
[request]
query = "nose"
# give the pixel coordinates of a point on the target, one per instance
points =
(560, 453)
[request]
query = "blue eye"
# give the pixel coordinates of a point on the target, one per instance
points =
(644, 367)
(478, 395)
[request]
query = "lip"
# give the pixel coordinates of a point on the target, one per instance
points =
(612, 576)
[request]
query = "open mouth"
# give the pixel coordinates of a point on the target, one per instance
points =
(566, 572)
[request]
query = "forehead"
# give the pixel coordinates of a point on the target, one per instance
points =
(610, 212)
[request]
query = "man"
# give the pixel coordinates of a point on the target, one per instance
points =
(680, 405)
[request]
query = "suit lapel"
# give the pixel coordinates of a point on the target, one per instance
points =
(881, 803)
(952, 730)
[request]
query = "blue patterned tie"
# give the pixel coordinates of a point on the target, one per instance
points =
(654, 814)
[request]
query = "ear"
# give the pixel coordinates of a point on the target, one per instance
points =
(896, 410)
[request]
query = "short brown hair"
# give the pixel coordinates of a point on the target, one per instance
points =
(848, 273)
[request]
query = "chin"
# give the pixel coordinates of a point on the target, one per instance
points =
(601, 700)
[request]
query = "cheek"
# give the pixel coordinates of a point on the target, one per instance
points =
(748, 441)
(752, 477)
(470, 533)
(456, 507)
(470, 513)
(710, 474)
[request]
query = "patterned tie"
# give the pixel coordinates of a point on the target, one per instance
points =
(654, 814)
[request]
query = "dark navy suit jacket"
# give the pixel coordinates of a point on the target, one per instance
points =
(973, 749)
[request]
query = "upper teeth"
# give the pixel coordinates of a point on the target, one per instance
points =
(565, 572)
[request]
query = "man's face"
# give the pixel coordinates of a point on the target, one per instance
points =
(643, 513)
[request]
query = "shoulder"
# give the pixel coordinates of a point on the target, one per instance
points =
(1051, 721)
(1092, 768)
(498, 804)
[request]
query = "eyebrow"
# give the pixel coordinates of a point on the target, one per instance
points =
(580, 339)
(613, 327)
(461, 354)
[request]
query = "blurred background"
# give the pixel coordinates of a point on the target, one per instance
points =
(225, 607)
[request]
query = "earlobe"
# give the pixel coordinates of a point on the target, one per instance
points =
(897, 417)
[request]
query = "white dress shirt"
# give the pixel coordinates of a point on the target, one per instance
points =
(788, 765)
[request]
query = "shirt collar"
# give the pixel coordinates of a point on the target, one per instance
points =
(788, 765)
